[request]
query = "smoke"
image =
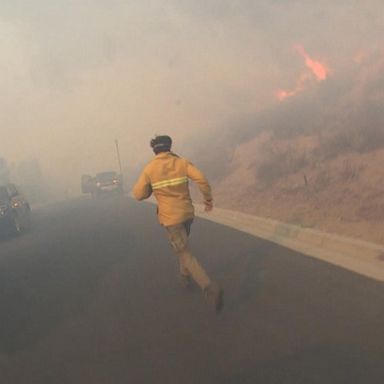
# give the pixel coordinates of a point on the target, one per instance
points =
(75, 76)
(345, 113)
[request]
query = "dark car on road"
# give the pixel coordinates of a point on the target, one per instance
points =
(103, 184)
(14, 210)
(107, 183)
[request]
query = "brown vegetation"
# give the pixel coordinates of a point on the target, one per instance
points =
(280, 162)
(314, 182)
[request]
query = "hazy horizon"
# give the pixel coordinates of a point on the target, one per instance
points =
(76, 75)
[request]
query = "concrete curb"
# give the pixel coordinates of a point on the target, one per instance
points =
(359, 256)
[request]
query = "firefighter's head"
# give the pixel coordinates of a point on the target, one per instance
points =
(161, 144)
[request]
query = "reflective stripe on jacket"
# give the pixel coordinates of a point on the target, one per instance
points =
(167, 177)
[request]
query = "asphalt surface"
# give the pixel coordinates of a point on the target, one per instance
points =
(90, 296)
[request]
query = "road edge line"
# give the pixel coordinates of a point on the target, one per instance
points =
(359, 256)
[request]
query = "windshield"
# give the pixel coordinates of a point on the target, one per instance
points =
(106, 176)
(3, 194)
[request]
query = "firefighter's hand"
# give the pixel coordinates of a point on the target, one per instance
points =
(208, 205)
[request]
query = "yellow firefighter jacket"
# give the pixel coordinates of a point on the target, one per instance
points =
(167, 177)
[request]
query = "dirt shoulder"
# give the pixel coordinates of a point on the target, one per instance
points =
(344, 195)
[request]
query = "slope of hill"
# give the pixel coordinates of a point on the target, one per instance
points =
(343, 195)
(315, 160)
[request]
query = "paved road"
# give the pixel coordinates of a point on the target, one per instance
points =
(90, 296)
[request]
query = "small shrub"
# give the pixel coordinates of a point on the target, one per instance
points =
(333, 144)
(348, 170)
(280, 163)
(356, 139)
(367, 138)
(322, 180)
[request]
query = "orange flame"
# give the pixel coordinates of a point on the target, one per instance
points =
(319, 70)
(281, 94)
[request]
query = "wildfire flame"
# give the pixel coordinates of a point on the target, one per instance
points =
(318, 71)
(281, 94)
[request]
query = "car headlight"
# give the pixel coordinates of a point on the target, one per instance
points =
(3, 210)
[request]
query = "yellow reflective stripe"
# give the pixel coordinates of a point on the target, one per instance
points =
(170, 182)
(177, 179)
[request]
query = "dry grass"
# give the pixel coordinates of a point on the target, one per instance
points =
(357, 139)
(278, 163)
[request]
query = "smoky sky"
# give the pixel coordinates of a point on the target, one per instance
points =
(76, 75)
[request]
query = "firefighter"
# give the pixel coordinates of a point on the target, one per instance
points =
(166, 176)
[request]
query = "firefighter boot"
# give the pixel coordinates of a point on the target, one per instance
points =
(214, 295)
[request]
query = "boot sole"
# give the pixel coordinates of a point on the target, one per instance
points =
(219, 302)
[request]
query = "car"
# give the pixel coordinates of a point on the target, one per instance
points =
(15, 211)
(87, 184)
(107, 183)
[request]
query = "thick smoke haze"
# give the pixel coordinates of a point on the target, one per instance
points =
(76, 75)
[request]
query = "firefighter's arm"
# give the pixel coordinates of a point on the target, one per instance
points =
(142, 189)
(198, 177)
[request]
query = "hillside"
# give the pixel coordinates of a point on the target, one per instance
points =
(315, 159)
(343, 194)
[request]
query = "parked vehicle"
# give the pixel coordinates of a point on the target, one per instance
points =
(15, 211)
(108, 183)
(87, 184)
(103, 184)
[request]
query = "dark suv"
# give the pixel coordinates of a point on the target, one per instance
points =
(14, 210)
(107, 183)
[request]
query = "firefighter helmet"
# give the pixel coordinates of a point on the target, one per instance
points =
(161, 143)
